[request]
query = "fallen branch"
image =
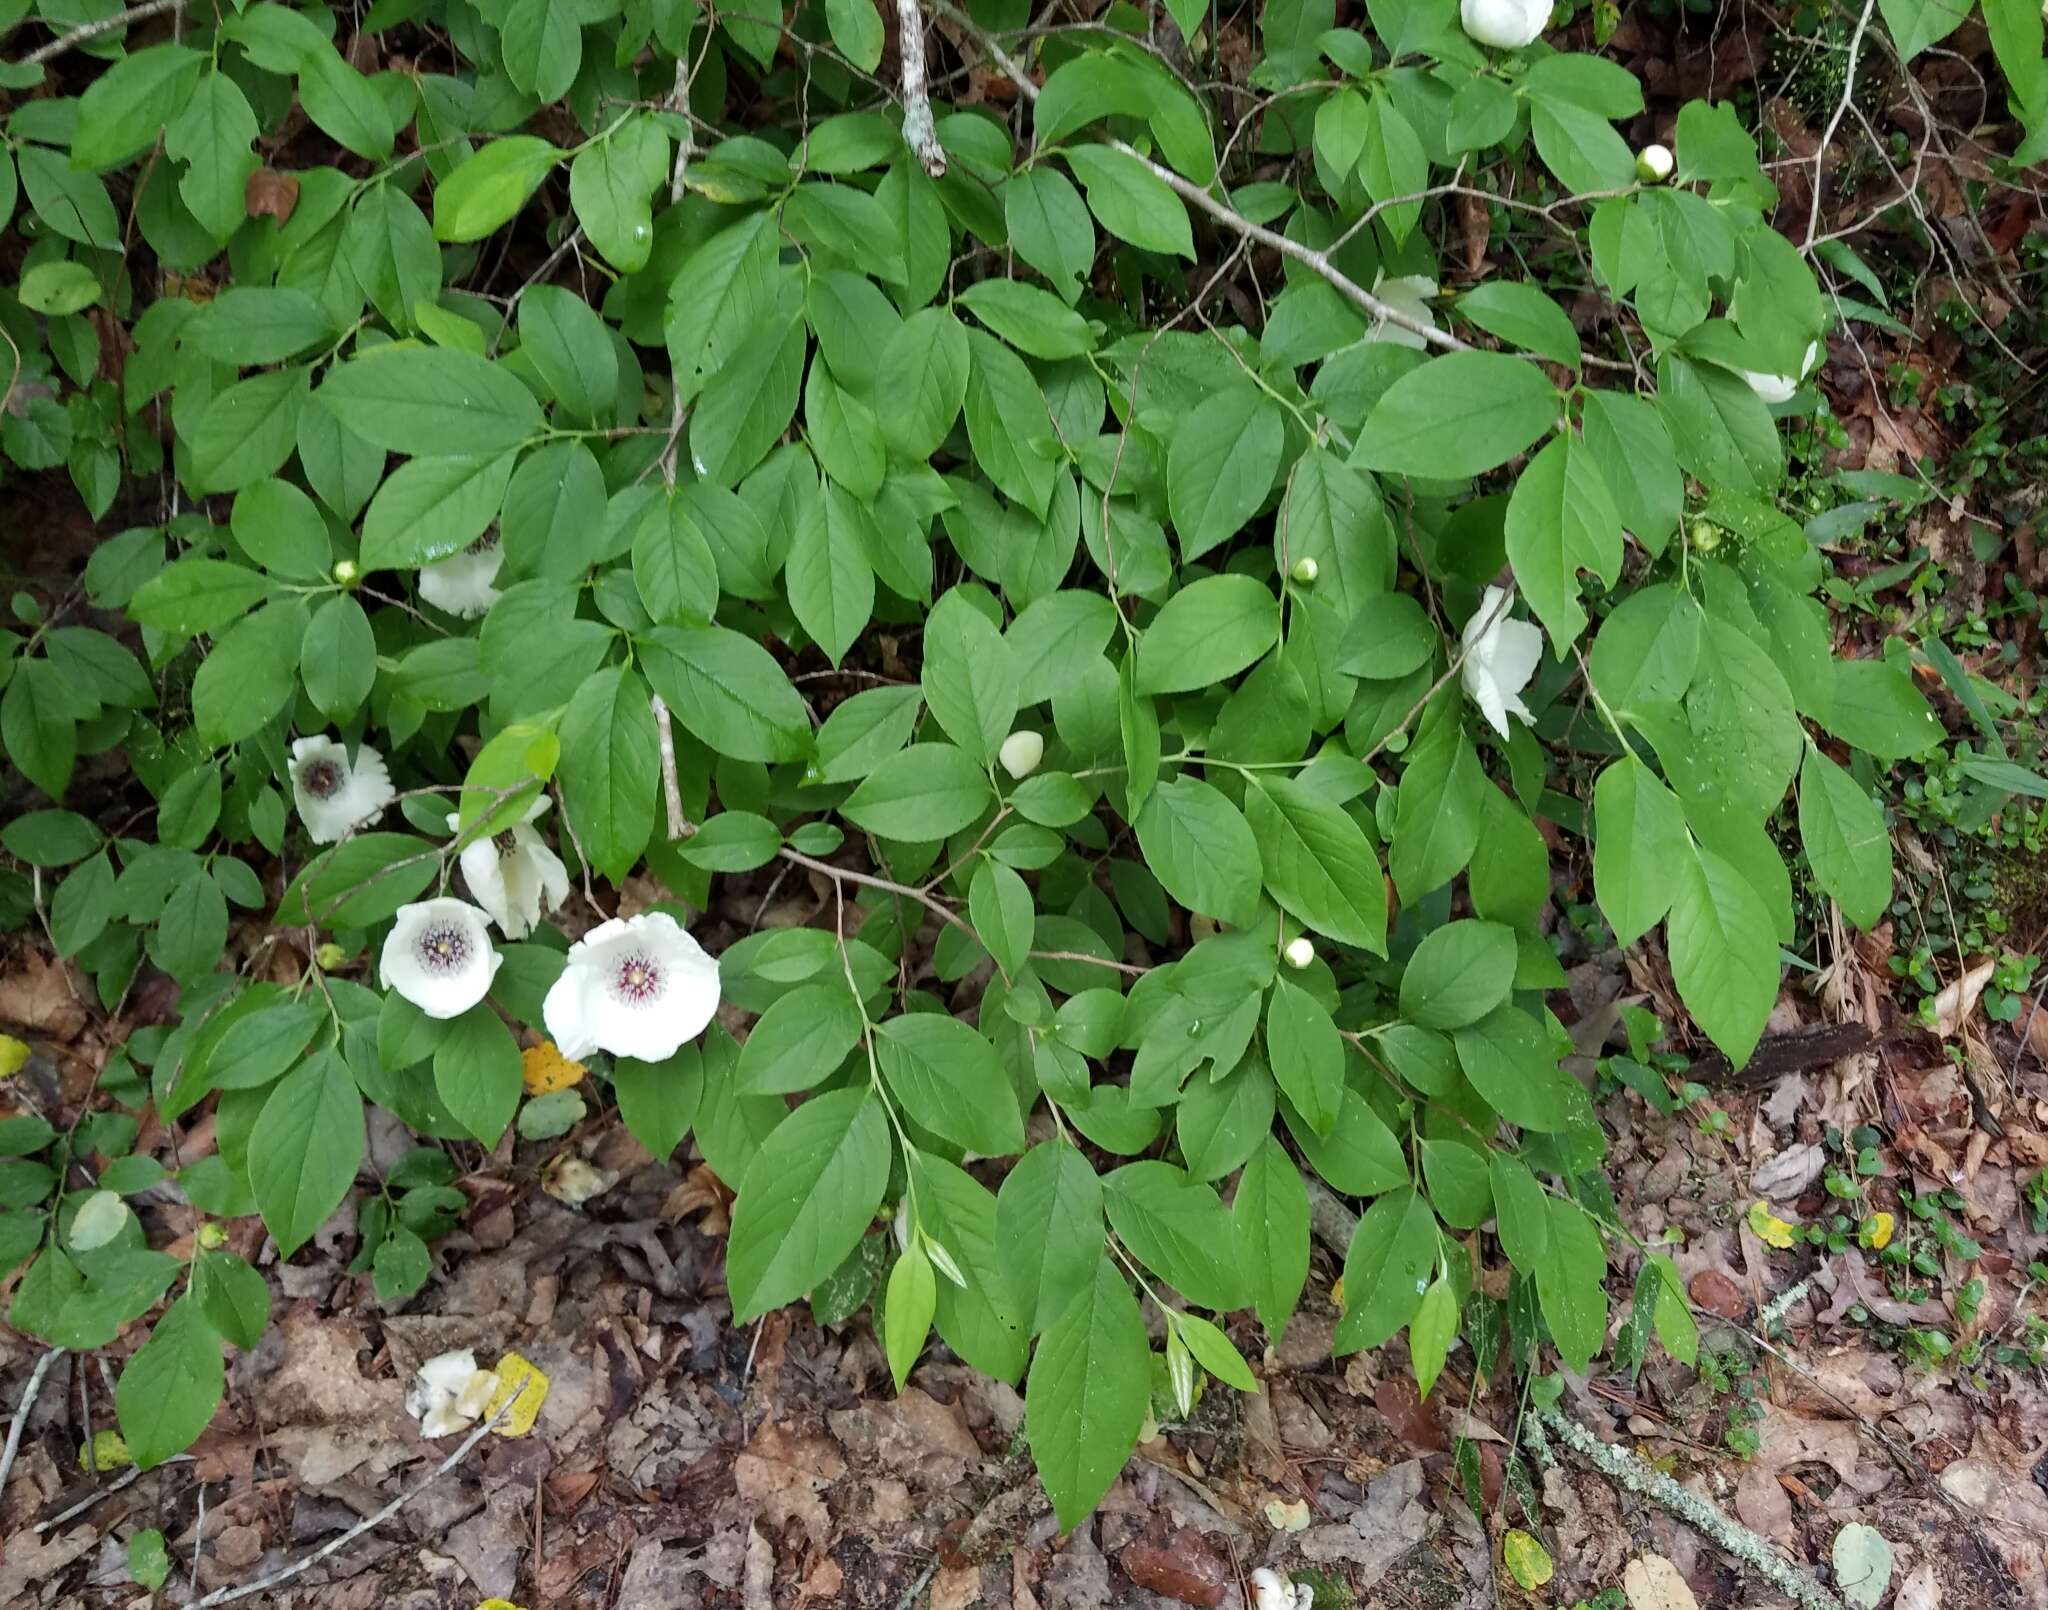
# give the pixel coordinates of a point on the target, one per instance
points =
(368, 1523)
(1623, 1468)
(919, 131)
(106, 25)
(28, 1402)
(671, 791)
(1820, 154)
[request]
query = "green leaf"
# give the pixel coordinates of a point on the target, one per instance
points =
(478, 1072)
(658, 1100)
(1510, 1061)
(976, 1313)
(1638, 837)
(1031, 320)
(1458, 416)
(433, 508)
(1916, 24)
(1389, 637)
(304, 1149)
(1628, 442)
(610, 768)
(170, 1388)
(1648, 649)
(733, 841)
(1524, 315)
(50, 838)
(844, 434)
(1201, 849)
(1207, 632)
(1221, 1122)
(233, 1296)
(213, 136)
(1049, 1218)
(1672, 1314)
(1571, 1285)
(1221, 463)
(1721, 430)
(487, 190)
(728, 691)
(1877, 709)
(674, 570)
(75, 204)
(1458, 974)
(37, 729)
(806, 1199)
(1521, 1217)
(1269, 1218)
(1007, 420)
(1049, 226)
(1561, 520)
(1431, 1332)
(542, 44)
(913, 1298)
(1130, 201)
(923, 376)
(1386, 1269)
(865, 730)
(1307, 1055)
(1000, 906)
(149, 1562)
(571, 349)
(237, 690)
(1360, 1156)
(1088, 1394)
(1318, 863)
(247, 431)
(1722, 957)
(58, 289)
(800, 1040)
(948, 1078)
(1843, 832)
(856, 28)
(612, 184)
(1579, 146)
(969, 677)
(1179, 1230)
(402, 398)
(920, 794)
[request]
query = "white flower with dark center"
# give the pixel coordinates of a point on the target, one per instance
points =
(1409, 294)
(513, 874)
(1500, 657)
(638, 987)
(1776, 389)
(335, 793)
(461, 583)
(439, 956)
(449, 1392)
(1504, 24)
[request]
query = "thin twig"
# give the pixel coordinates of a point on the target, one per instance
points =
(368, 1523)
(920, 133)
(28, 1401)
(671, 791)
(1820, 155)
(106, 25)
(126, 1477)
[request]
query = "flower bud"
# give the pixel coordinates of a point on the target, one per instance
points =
(1301, 950)
(1306, 570)
(212, 1237)
(1021, 753)
(329, 956)
(1706, 538)
(346, 571)
(1654, 164)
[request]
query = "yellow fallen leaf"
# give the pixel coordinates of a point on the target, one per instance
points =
(521, 1384)
(1527, 1560)
(109, 1451)
(1770, 1229)
(1337, 1292)
(545, 1069)
(13, 1056)
(497, 1604)
(1876, 1233)
(1283, 1516)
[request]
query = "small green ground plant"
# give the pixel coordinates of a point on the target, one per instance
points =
(865, 489)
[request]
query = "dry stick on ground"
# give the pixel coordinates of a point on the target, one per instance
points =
(920, 133)
(106, 25)
(28, 1402)
(1820, 155)
(368, 1523)
(1316, 262)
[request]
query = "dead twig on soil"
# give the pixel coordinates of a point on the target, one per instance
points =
(28, 1402)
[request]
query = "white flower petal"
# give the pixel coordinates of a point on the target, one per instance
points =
(1501, 654)
(1504, 24)
(640, 987)
(461, 583)
(1774, 389)
(333, 793)
(439, 956)
(448, 1372)
(514, 875)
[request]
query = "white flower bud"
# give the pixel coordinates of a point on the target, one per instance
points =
(1654, 164)
(1306, 570)
(1300, 952)
(1021, 753)
(346, 571)
(1504, 24)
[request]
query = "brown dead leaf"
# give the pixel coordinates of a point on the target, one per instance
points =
(1181, 1565)
(956, 1587)
(38, 997)
(270, 194)
(783, 1472)
(1653, 1583)
(1955, 1002)
(701, 1191)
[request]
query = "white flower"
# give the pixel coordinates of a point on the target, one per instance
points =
(1409, 294)
(1775, 389)
(1504, 24)
(1300, 952)
(439, 956)
(334, 793)
(514, 875)
(1021, 753)
(1654, 164)
(461, 583)
(640, 987)
(1272, 1591)
(449, 1392)
(1500, 657)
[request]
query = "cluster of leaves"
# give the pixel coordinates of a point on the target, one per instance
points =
(830, 394)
